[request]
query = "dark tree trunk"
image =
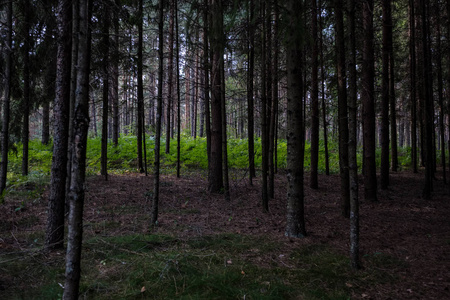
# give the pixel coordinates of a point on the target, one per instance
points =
(216, 172)
(313, 183)
(7, 98)
(324, 109)
(226, 183)
(115, 78)
(440, 93)
(428, 105)
(250, 113)
(26, 89)
(207, 86)
(352, 145)
(368, 104)
(274, 107)
(412, 68)
(392, 99)
(178, 91)
(140, 88)
(61, 114)
(170, 77)
(80, 127)
(342, 110)
(105, 66)
(295, 219)
(263, 116)
(384, 167)
(155, 200)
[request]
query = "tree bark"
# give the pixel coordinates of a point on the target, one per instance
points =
(178, 91)
(250, 102)
(155, 200)
(105, 67)
(412, 68)
(295, 220)
(7, 99)
(170, 76)
(115, 78)
(313, 182)
(61, 113)
(216, 172)
(342, 110)
(80, 127)
(368, 104)
(206, 70)
(352, 145)
(140, 88)
(26, 89)
(384, 167)
(440, 93)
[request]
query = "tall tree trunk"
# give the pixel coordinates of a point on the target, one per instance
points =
(412, 68)
(206, 70)
(7, 98)
(250, 102)
(26, 89)
(440, 92)
(115, 77)
(429, 119)
(57, 195)
(342, 110)
(140, 88)
(80, 127)
(274, 109)
(313, 183)
(170, 76)
(392, 99)
(263, 115)
(155, 200)
(105, 67)
(295, 219)
(269, 87)
(368, 104)
(226, 183)
(324, 109)
(352, 145)
(178, 92)
(216, 172)
(384, 167)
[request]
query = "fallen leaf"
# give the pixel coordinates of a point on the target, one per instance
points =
(242, 272)
(229, 262)
(143, 289)
(348, 284)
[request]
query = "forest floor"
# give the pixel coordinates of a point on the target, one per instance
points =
(405, 242)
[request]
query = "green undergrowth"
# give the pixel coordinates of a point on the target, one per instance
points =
(222, 266)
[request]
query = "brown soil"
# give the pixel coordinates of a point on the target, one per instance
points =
(401, 225)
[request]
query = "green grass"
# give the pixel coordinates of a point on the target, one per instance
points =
(223, 266)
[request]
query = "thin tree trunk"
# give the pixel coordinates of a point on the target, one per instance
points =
(264, 131)
(384, 140)
(7, 99)
(105, 66)
(274, 109)
(57, 195)
(412, 59)
(440, 93)
(313, 183)
(155, 200)
(368, 104)
(342, 110)
(80, 127)
(207, 86)
(429, 120)
(352, 145)
(250, 102)
(324, 109)
(392, 99)
(226, 183)
(115, 77)
(178, 91)
(295, 220)
(140, 87)
(170, 76)
(26, 90)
